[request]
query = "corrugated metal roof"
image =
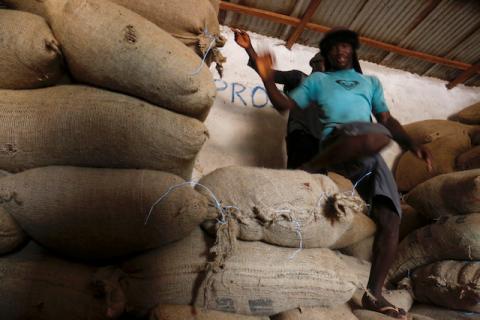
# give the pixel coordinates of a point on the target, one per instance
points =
(444, 28)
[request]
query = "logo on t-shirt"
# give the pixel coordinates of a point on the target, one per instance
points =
(347, 84)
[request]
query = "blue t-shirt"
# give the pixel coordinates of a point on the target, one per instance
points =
(344, 96)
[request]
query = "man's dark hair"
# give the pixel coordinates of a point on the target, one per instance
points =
(337, 35)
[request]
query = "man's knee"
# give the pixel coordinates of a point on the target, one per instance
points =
(374, 142)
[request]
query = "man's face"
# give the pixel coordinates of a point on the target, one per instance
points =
(340, 56)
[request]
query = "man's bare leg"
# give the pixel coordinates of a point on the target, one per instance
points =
(347, 148)
(384, 250)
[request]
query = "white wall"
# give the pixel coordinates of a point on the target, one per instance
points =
(246, 130)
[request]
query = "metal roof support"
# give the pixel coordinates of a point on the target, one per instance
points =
(418, 20)
(312, 7)
(281, 18)
(451, 53)
(464, 76)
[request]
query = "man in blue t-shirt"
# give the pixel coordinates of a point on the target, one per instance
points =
(350, 143)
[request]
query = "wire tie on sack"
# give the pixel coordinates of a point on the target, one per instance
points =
(298, 229)
(360, 180)
(192, 184)
(210, 36)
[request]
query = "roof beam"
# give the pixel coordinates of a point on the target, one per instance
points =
(312, 7)
(280, 18)
(464, 76)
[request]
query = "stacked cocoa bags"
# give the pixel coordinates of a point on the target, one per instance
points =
(440, 262)
(91, 165)
(265, 250)
(451, 144)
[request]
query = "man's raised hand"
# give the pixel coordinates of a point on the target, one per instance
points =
(265, 61)
(242, 38)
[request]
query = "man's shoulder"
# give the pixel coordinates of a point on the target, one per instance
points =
(371, 78)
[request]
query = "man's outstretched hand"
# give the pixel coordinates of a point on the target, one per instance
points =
(423, 153)
(242, 38)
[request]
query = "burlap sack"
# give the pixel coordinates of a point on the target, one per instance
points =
(257, 279)
(101, 213)
(84, 126)
(448, 194)
(30, 55)
(35, 285)
(216, 5)
(341, 312)
(361, 228)
(469, 115)
(469, 159)
(427, 131)
(11, 234)
(361, 250)
(193, 22)
(411, 220)
(283, 207)
(453, 237)
(342, 183)
(437, 313)
(475, 136)
(411, 171)
(450, 284)
(110, 46)
(184, 312)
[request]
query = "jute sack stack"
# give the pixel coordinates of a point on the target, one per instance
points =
(411, 171)
(100, 213)
(30, 55)
(35, 285)
(185, 312)
(454, 237)
(193, 22)
(454, 193)
(341, 312)
(85, 126)
(109, 46)
(469, 115)
(282, 207)
(437, 313)
(450, 284)
(257, 279)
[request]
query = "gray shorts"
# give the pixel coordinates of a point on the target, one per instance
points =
(370, 176)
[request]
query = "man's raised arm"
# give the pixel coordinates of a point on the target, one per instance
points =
(264, 68)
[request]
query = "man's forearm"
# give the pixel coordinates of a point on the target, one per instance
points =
(251, 53)
(398, 133)
(279, 101)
